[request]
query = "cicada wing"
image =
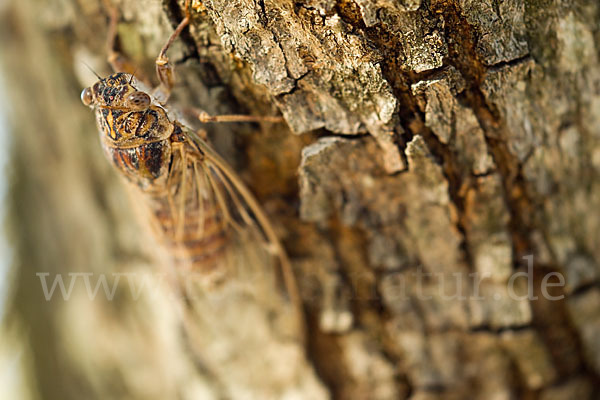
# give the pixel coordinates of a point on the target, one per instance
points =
(230, 321)
(255, 249)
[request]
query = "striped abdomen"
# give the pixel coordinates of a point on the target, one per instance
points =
(197, 242)
(189, 217)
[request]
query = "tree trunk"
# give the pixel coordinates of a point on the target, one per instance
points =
(436, 187)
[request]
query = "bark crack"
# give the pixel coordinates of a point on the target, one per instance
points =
(518, 194)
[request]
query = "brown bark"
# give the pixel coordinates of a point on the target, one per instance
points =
(432, 145)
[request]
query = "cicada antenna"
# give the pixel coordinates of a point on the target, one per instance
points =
(93, 72)
(132, 76)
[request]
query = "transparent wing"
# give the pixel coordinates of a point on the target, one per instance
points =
(239, 210)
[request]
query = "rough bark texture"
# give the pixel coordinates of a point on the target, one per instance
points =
(431, 144)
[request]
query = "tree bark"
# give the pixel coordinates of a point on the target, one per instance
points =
(434, 184)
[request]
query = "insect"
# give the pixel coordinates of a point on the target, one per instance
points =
(199, 203)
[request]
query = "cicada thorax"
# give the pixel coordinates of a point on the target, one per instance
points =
(138, 144)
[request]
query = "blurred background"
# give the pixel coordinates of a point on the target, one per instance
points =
(69, 222)
(12, 368)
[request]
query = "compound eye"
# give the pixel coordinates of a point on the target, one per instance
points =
(138, 100)
(86, 96)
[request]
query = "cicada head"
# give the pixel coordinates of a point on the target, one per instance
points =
(117, 91)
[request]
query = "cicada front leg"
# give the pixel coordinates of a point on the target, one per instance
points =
(117, 60)
(164, 70)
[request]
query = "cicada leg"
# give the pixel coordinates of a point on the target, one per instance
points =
(164, 70)
(204, 117)
(117, 60)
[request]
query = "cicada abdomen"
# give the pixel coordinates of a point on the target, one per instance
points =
(191, 219)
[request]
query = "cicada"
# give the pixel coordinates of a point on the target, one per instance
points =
(200, 205)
